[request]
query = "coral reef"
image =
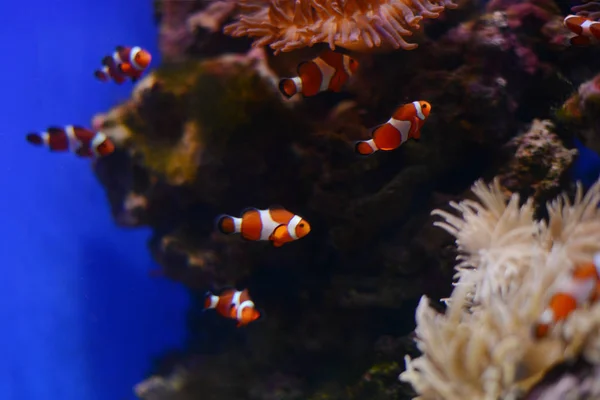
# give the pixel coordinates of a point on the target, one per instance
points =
(482, 346)
(580, 113)
(208, 132)
(358, 25)
(538, 163)
(174, 35)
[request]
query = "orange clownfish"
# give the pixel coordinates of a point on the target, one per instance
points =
(126, 62)
(405, 124)
(329, 71)
(233, 304)
(81, 141)
(275, 224)
(582, 286)
(587, 30)
(107, 73)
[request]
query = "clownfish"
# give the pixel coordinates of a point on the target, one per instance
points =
(81, 141)
(275, 224)
(406, 123)
(233, 304)
(587, 30)
(329, 71)
(581, 287)
(110, 72)
(126, 62)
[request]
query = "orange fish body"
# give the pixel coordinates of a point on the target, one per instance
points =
(406, 123)
(132, 61)
(107, 73)
(275, 224)
(81, 141)
(581, 287)
(587, 30)
(233, 304)
(330, 71)
(125, 62)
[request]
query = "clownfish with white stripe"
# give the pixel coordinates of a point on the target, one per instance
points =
(583, 286)
(81, 141)
(107, 73)
(587, 30)
(126, 62)
(406, 123)
(330, 71)
(275, 224)
(233, 304)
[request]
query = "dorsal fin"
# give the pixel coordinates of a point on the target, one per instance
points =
(226, 288)
(55, 130)
(247, 209)
(301, 66)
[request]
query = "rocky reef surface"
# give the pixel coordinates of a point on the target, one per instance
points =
(207, 132)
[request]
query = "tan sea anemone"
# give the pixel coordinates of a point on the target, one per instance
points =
(359, 25)
(482, 347)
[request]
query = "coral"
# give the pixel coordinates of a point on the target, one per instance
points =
(580, 112)
(159, 388)
(172, 141)
(359, 25)
(206, 136)
(213, 16)
(174, 36)
(538, 163)
(482, 346)
(518, 11)
(192, 28)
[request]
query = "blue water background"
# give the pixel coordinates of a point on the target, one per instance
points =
(80, 317)
(586, 167)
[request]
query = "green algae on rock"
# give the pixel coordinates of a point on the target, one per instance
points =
(221, 104)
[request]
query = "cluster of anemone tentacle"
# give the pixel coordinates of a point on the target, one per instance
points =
(287, 25)
(591, 10)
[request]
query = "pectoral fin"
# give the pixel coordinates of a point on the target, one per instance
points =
(417, 133)
(278, 234)
(580, 40)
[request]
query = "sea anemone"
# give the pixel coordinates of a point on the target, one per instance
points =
(359, 25)
(482, 346)
(590, 9)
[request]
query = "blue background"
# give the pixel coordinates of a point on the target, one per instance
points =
(80, 316)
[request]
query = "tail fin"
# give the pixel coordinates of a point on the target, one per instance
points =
(100, 75)
(364, 148)
(262, 316)
(288, 88)
(226, 224)
(35, 139)
(210, 301)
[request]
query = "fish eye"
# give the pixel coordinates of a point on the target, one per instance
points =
(424, 105)
(301, 225)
